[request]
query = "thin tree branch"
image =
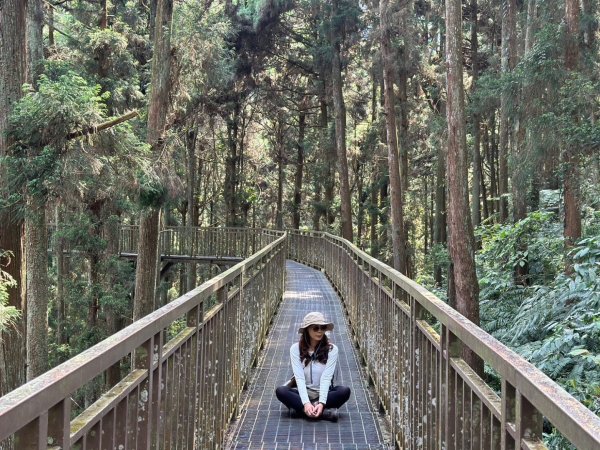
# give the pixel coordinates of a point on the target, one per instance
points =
(103, 126)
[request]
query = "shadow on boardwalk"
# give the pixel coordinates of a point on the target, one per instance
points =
(264, 423)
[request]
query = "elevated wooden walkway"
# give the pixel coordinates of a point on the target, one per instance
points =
(185, 365)
(264, 423)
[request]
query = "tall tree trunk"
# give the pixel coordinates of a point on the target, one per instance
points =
(299, 168)
(36, 237)
(61, 272)
(13, 73)
(36, 257)
(340, 141)
(484, 193)
(330, 156)
(461, 239)
(477, 176)
(571, 157)
(339, 111)
(402, 124)
(51, 41)
(192, 204)
(361, 197)
(147, 260)
(509, 54)
(231, 167)
(279, 142)
(439, 228)
(590, 23)
(317, 211)
(396, 200)
(374, 215)
(492, 159)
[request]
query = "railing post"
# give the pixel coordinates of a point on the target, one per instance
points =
(34, 435)
(451, 348)
(509, 399)
(59, 418)
(143, 359)
(529, 422)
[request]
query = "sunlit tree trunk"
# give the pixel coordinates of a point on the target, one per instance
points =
(36, 237)
(36, 257)
(339, 111)
(35, 39)
(460, 239)
(396, 200)
(147, 260)
(13, 72)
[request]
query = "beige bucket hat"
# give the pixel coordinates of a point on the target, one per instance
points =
(314, 318)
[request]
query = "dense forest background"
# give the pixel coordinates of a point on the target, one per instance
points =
(456, 141)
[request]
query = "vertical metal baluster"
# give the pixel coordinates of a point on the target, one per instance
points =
(121, 424)
(33, 435)
(508, 414)
(529, 421)
(108, 430)
(59, 427)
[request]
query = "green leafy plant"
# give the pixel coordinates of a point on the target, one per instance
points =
(9, 315)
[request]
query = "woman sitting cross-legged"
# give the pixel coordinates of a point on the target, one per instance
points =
(313, 363)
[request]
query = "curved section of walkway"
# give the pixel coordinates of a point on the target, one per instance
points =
(264, 423)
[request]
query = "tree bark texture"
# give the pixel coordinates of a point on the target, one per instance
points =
(328, 149)
(299, 170)
(509, 55)
(279, 143)
(192, 204)
(13, 72)
(36, 257)
(231, 165)
(572, 195)
(35, 40)
(440, 221)
(339, 111)
(147, 260)
(396, 194)
(460, 239)
(477, 172)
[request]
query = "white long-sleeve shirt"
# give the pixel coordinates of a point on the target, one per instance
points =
(322, 373)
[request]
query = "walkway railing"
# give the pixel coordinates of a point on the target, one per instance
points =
(412, 343)
(194, 241)
(189, 363)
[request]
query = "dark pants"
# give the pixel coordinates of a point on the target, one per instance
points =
(338, 395)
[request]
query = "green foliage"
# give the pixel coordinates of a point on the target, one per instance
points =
(152, 192)
(8, 314)
(40, 125)
(555, 322)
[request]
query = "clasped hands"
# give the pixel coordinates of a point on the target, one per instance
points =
(313, 410)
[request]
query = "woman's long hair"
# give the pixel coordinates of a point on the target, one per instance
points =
(322, 352)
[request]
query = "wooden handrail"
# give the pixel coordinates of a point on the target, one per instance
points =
(524, 386)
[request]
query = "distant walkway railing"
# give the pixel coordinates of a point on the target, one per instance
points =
(189, 362)
(196, 241)
(412, 344)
